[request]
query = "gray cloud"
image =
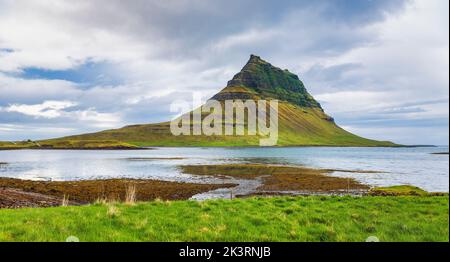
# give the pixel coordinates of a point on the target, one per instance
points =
(371, 52)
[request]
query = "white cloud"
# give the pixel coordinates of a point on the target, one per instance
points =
(16, 90)
(7, 127)
(58, 109)
(101, 120)
(251, 37)
(410, 53)
(368, 65)
(31, 131)
(407, 135)
(48, 109)
(398, 74)
(47, 34)
(32, 128)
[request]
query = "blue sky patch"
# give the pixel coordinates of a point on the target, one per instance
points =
(88, 74)
(6, 50)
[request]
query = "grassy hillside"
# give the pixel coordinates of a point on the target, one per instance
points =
(302, 121)
(254, 219)
(68, 144)
(298, 126)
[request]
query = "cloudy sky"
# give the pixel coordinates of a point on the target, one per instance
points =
(380, 67)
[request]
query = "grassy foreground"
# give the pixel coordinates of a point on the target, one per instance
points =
(253, 219)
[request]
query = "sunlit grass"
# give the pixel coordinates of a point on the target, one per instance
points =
(254, 219)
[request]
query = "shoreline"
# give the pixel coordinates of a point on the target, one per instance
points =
(28, 193)
(154, 147)
(74, 148)
(18, 193)
(231, 147)
(224, 181)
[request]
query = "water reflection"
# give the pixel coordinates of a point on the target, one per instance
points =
(414, 166)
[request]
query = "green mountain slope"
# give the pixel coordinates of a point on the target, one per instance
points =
(302, 121)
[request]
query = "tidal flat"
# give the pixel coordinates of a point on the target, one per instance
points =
(217, 173)
(237, 178)
(16, 193)
(279, 179)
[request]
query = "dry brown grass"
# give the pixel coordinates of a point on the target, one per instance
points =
(112, 211)
(65, 201)
(130, 194)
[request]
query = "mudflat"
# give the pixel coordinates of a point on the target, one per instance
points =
(16, 198)
(281, 178)
(26, 193)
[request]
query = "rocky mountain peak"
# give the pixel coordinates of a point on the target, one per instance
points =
(272, 82)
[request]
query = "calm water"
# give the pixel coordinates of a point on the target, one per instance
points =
(414, 166)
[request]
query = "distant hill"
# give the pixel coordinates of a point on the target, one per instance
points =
(302, 121)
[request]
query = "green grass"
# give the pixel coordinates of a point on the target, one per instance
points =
(16, 145)
(404, 190)
(254, 219)
(67, 144)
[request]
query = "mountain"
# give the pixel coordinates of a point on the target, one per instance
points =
(270, 82)
(302, 121)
